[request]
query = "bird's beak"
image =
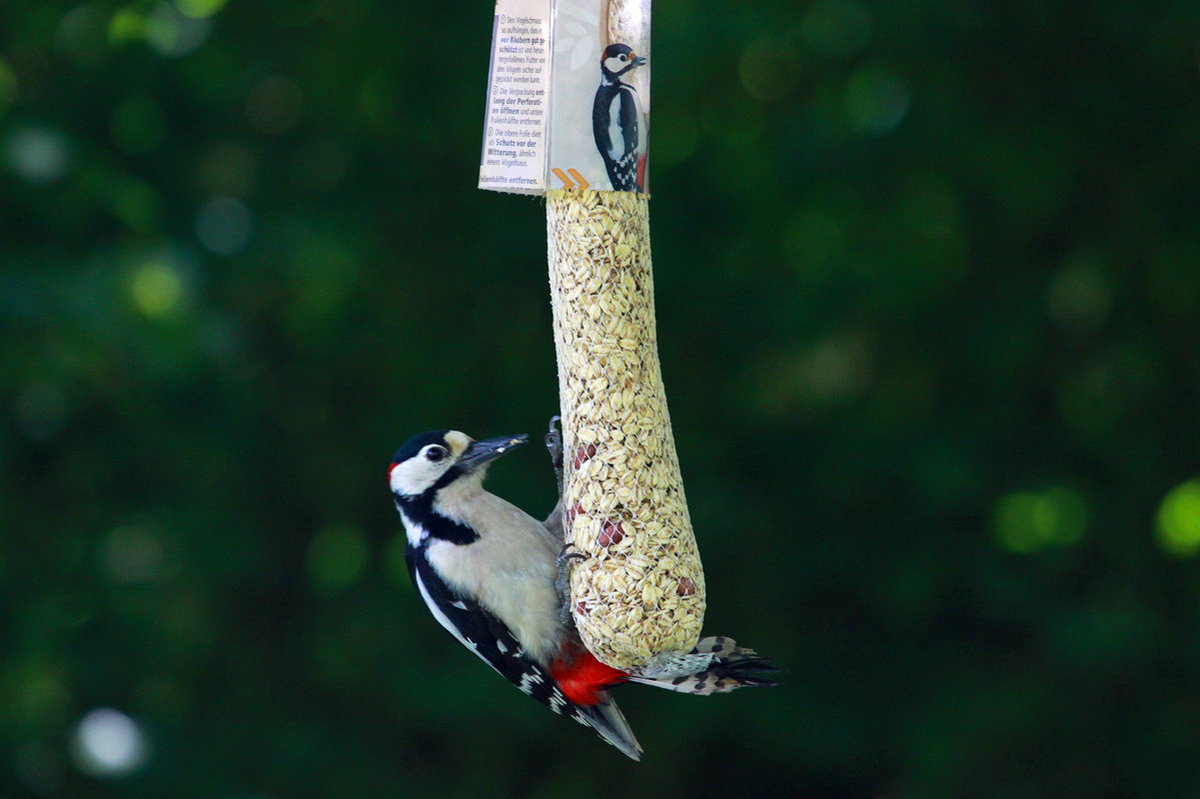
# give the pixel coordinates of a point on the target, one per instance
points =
(481, 453)
(639, 60)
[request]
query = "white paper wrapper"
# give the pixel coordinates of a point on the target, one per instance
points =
(547, 97)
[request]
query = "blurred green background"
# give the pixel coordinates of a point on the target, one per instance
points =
(929, 313)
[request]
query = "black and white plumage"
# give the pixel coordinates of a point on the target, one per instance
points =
(487, 570)
(618, 122)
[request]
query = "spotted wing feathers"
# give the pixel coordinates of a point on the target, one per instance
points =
(480, 631)
(730, 667)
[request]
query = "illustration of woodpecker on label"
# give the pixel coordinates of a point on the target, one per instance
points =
(618, 121)
(595, 132)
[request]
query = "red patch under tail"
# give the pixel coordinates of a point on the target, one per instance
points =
(582, 677)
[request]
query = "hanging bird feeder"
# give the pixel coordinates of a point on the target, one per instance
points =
(568, 118)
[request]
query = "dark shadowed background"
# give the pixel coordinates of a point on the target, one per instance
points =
(929, 312)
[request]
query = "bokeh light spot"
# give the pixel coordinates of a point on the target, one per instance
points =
(126, 25)
(876, 100)
(38, 692)
(136, 203)
(108, 743)
(156, 289)
(1026, 522)
(133, 554)
(198, 9)
(223, 225)
(173, 34)
(1079, 296)
(836, 369)
(38, 155)
(1179, 520)
(337, 557)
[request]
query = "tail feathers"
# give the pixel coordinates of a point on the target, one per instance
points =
(731, 667)
(606, 719)
(721, 646)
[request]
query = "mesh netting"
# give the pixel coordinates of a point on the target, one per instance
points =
(638, 592)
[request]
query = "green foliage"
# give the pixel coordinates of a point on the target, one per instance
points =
(929, 313)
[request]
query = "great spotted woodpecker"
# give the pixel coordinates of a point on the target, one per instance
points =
(618, 121)
(487, 571)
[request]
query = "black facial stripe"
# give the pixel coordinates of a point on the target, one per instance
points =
(420, 509)
(447, 530)
(452, 474)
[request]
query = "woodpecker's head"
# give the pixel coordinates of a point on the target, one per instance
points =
(617, 59)
(432, 461)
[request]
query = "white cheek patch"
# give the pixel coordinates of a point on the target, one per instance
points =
(614, 65)
(414, 476)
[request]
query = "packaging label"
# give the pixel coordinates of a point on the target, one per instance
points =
(568, 96)
(517, 120)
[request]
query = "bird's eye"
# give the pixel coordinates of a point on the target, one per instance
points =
(435, 453)
(621, 57)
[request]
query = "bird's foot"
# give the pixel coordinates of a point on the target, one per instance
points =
(562, 583)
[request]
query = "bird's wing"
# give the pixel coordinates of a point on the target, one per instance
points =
(601, 118)
(629, 122)
(481, 632)
(484, 634)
